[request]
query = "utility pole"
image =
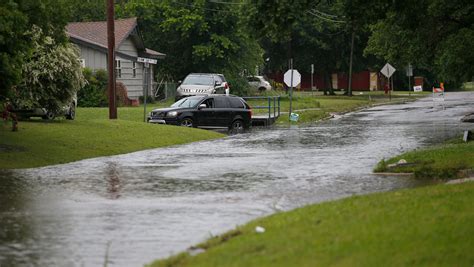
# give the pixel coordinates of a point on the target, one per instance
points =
(111, 58)
(349, 91)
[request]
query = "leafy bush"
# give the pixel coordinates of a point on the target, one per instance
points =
(238, 86)
(94, 94)
(51, 74)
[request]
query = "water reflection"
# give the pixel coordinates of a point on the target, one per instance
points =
(113, 180)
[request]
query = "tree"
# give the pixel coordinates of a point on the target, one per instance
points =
(52, 75)
(16, 18)
(13, 44)
(197, 36)
(86, 10)
(312, 32)
(436, 37)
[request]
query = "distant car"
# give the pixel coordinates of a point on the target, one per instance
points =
(69, 112)
(202, 84)
(259, 83)
(208, 111)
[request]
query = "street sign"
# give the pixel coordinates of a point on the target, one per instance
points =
(409, 70)
(388, 70)
(146, 60)
(296, 79)
(417, 88)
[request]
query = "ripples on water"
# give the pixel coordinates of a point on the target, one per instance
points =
(149, 204)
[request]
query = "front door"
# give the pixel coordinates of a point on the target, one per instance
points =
(206, 115)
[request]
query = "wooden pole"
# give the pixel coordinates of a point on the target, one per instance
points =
(349, 91)
(111, 59)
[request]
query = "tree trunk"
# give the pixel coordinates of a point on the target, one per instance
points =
(328, 83)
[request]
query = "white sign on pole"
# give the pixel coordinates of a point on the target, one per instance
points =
(296, 78)
(388, 70)
(417, 88)
(146, 60)
(409, 70)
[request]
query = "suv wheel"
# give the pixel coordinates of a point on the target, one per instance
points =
(237, 127)
(187, 122)
(72, 112)
(49, 116)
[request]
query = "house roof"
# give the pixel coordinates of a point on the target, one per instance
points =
(95, 34)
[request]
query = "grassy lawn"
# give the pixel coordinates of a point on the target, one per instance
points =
(429, 226)
(315, 106)
(92, 134)
(442, 162)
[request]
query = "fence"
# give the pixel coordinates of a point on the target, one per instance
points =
(164, 90)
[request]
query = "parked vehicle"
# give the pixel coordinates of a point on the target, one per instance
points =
(202, 84)
(259, 83)
(207, 111)
(69, 112)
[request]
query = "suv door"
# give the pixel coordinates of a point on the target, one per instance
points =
(222, 114)
(205, 115)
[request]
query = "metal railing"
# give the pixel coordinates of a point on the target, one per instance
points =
(272, 104)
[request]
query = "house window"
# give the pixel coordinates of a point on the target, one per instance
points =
(134, 69)
(118, 68)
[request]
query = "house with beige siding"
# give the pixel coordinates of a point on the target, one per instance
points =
(91, 37)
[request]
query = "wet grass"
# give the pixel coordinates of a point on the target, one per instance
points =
(469, 86)
(315, 106)
(429, 226)
(39, 143)
(446, 161)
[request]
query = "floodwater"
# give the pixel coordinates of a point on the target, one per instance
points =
(128, 210)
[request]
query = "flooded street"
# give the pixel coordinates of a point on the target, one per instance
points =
(134, 208)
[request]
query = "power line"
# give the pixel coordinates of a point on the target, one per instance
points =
(226, 3)
(324, 18)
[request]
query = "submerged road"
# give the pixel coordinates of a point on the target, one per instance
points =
(131, 209)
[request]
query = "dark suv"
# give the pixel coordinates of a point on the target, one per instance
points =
(209, 111)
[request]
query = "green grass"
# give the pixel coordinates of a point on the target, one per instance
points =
(315, 106)
(92, 134)
(429, 226)
(445, 161)
(469, 86)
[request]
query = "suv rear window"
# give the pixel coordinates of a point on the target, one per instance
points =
(236, 102)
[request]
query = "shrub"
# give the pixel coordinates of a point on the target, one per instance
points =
(94, 93)
(239, 86)
(51, 75)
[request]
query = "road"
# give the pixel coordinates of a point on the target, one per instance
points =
(131, 209)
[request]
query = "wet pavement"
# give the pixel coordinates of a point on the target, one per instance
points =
(131, 209)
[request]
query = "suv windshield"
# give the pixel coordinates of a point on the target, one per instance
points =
(198, 80)
(188, 102)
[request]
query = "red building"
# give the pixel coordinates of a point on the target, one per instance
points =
(361, 81)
